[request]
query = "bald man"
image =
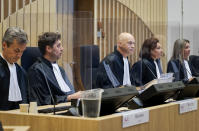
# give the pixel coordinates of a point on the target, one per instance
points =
(113, 70)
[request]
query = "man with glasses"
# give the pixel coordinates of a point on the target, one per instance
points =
(113, 70)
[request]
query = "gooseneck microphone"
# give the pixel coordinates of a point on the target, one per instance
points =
(149, 69)
(180, 66)
(186, 70)
(53, 100)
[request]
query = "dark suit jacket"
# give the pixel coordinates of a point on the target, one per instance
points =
(116, 64)
(40, 74)
(144, 71)
(179, 70)
(5, 82)
(194, 61)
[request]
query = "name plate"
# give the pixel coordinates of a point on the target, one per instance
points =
(187, 105)
(135, 117)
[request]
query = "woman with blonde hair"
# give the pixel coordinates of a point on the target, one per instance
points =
(179, 63)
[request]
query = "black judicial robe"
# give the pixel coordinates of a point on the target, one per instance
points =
(179, 70)
(194, 61)
(144, 71)
(5, 82)
(115, 62)
(40, 76)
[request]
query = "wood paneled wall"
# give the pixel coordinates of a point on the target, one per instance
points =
(38, 16)
(113, 18)
(96, 22)
(154, 14)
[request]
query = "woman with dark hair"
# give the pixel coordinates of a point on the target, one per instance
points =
(179, 62)
(148, 68)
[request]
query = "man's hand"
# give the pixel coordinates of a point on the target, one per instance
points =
(74, 96)
(191, 79)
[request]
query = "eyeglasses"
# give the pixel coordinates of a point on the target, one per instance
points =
(131, 42)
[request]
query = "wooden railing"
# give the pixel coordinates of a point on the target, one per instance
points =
(154, 15)
(37, 16)
(106, 17)
(113, 18)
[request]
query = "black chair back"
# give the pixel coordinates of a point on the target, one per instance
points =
(29, 57)
(89, 62)
(1, 127)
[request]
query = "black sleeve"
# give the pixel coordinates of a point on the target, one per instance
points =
(171, 69)
(193, 70)
(37, 87)
(24, 83)
(136, 74)
(102, 80)
(176, 68)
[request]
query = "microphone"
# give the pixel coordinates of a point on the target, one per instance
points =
(186, 70)
(149, 69)
(177, 74)
(53, 100)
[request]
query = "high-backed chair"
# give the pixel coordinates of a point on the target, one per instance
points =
(89, 62)
(29, 57)
(1, 127)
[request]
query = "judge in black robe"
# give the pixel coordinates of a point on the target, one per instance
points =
(110, 73)
(116, 64)
(42, 81)
(5, 82)
(179, 70)
(176, 65)
(46, 83)
(13, 44)
(145, 70)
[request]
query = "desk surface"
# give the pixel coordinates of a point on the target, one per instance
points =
(162, 118)
(16, 128)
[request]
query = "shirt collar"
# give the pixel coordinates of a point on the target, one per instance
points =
(47, 62)
(5, 61)
(119, 55)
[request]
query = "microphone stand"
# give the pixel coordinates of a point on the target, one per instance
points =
(187, 71)
(149, 69)
(53, 100)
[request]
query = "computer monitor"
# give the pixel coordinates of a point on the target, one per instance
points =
(191, 89)
(113, 98)
(159, 93)
(195, 80)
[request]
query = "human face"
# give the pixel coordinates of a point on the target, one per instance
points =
(56, 51)
(14, 52)
(187, 51)
(127, 45)
(157, 52)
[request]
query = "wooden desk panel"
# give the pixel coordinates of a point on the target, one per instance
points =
(182, 122)
(162, 118)
(16, 128)
(48, 122)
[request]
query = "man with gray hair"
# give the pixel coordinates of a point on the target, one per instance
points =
(13, 80)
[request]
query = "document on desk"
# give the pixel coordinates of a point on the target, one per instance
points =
(135, 117)
(187, 105)
(147, 85)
